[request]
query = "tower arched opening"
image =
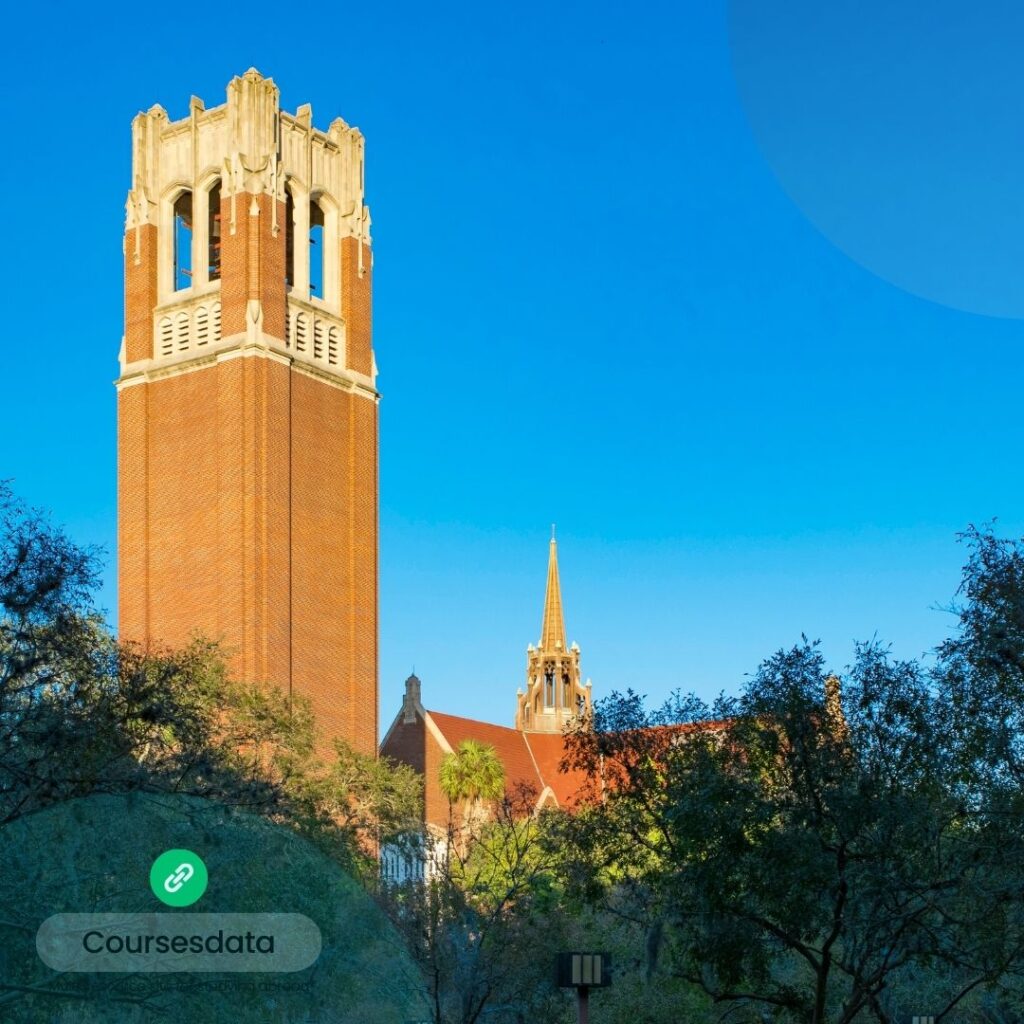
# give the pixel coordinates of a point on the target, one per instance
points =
(213, 231)
(316, 249)
(289, 237)
(182, 230)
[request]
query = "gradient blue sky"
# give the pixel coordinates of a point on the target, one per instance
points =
(596, 305)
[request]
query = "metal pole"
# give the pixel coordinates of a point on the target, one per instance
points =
(583, 1014)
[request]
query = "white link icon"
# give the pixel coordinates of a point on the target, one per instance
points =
(179, 877)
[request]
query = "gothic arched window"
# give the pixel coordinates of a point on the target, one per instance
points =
(316, 249)
(182, 231)
(289, 237)
(566, 691)
(549, 688)
(213, 232)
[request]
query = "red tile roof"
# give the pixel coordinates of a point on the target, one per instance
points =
(548, 749)
(530, 759)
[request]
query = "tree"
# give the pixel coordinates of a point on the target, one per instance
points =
(794, 859)
(981, 667)
(473, 772)
(468, 923)
(362, 802)
(980, 684)
(483, 926)
(81, 713)
(83, 716)
(472, 775)
(362, 973)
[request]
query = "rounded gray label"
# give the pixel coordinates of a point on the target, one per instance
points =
(161, 943)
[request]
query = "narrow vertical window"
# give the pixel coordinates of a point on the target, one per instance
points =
(183, 241)
(289, 238)
(316, 249)
(213, 233)
(549, 688)
(566, 691)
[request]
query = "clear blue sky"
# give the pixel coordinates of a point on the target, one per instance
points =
(597, 304)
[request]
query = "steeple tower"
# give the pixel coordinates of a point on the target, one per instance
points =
(554, 694)
(247, 401)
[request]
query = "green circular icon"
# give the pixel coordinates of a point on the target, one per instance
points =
(178, 878)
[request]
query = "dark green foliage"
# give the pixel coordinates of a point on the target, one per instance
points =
(486, 924)
(255, 867)
(82, 716)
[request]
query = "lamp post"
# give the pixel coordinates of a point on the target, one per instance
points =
(583, 971)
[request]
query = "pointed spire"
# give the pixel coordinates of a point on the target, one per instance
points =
(552, 632)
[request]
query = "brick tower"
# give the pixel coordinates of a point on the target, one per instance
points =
(554, 693)
(247, 401)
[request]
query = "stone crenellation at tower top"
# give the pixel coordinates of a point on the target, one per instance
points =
(230, 156)
(254, 146)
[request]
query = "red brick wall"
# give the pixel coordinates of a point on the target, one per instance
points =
(252, 263)
(182, 498)
(234, 264)
(363, 458)
(356, 298)
(133, 512)
(322, 576)
(247, 492)
(139, 292)
(437, 808)
(414, 744)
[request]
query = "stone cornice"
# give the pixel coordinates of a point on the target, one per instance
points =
(148, 371)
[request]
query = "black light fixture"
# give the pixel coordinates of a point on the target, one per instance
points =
(583, 971)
